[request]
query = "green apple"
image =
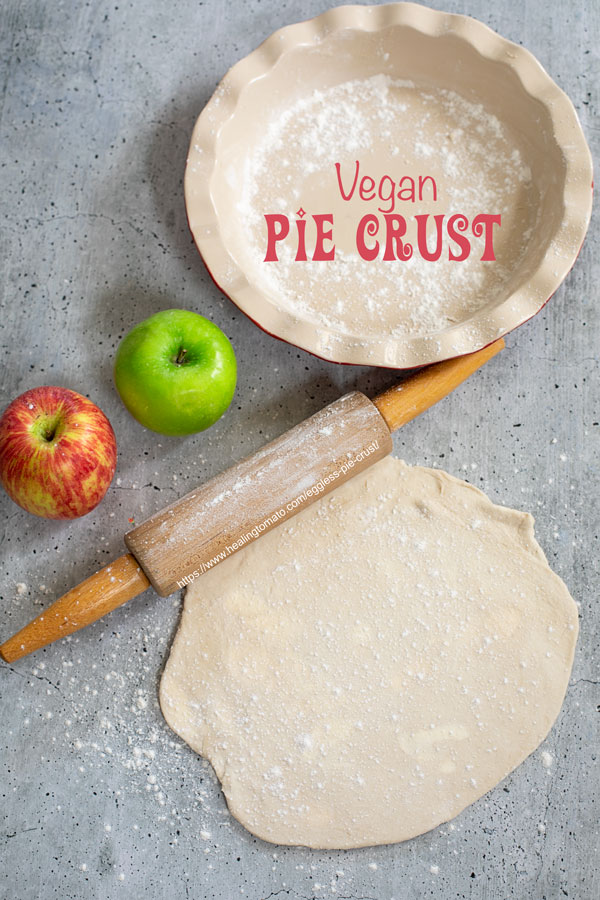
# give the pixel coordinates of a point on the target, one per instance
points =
(176, 372)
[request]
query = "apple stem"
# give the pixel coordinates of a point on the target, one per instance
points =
(181, 355)
(46, 427)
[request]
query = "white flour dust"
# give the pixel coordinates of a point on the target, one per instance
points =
(396, 128)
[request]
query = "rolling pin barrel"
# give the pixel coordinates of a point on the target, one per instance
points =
(187, 539)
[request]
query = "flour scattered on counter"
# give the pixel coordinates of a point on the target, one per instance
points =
(547, 759)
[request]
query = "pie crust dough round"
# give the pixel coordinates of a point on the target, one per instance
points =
(368, 669)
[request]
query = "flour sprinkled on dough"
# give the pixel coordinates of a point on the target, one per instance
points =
(368, 669)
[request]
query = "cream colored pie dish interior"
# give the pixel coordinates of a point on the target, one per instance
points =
(403, 95)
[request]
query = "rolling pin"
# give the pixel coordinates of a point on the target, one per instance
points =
(180, 543)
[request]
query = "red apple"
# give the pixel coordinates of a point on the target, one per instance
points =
(57, 453)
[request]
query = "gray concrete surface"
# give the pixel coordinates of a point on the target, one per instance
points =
(98, 799)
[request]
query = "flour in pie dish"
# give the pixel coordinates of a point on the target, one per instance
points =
(369, 668)
(396, 128)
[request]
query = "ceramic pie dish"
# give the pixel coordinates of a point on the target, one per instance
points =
(351, 126)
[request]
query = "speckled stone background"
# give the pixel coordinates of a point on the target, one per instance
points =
(98, 798)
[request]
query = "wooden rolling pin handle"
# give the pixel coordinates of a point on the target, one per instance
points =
(93, 598)
(404, 401)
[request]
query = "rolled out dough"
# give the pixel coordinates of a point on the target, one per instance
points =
(368, 669)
